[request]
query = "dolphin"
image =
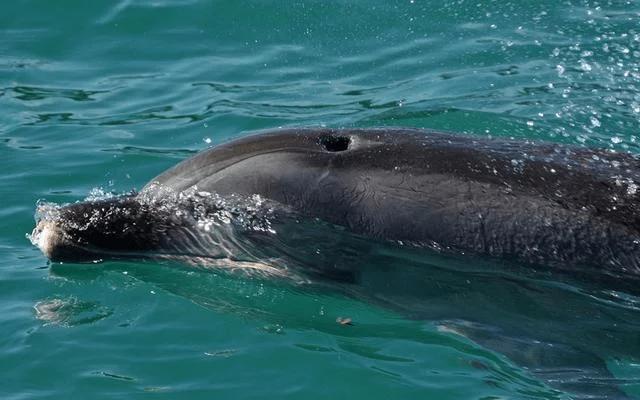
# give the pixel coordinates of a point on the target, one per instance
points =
(562, 207)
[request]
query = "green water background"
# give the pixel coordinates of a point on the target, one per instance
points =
(105, 95)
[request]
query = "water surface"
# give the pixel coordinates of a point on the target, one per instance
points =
(105, 95)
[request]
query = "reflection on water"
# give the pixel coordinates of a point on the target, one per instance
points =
(69, 312)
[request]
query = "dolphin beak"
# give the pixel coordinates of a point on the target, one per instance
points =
(50, 239)
(56, 244)
(44, 234)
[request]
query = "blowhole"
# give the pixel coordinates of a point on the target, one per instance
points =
(335, 143)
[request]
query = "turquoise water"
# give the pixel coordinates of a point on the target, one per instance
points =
(102, 96)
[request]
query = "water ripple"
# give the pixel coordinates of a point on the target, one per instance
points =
(31, 93)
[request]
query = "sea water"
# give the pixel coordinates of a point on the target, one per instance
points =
(100, 96)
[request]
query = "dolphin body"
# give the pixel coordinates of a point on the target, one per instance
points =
(264, 198)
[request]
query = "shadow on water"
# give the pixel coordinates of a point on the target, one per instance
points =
(555, 330)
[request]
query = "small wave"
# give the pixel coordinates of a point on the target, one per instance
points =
(178, 153)
(31, 93)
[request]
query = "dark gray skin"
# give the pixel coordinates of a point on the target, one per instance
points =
(567, 209)
(461, 192)
(557, 206)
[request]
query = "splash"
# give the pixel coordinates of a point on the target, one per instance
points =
(210, 210)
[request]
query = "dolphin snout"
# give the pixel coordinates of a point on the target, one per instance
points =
(50, 239)
(56, 243)
(89, 231)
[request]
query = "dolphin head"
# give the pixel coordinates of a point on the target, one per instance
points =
(150, 224)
